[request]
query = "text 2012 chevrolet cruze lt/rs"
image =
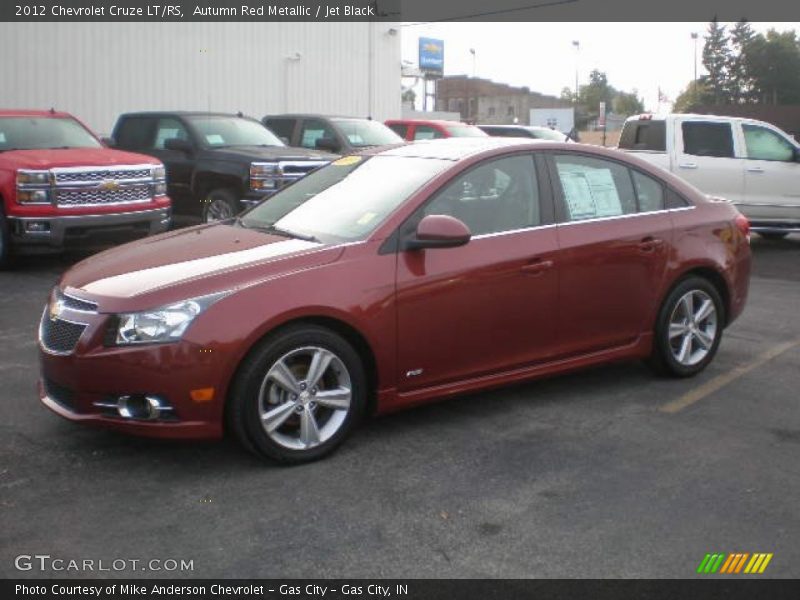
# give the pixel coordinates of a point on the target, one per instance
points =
(389, 279)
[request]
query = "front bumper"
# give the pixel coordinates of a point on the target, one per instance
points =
(57, 231)
(80, 384)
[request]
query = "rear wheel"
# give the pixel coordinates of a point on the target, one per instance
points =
(689, 328)
(220, 204)
(298, 395)
(774, 235)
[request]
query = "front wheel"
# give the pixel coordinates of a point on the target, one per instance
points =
(219, 205)
(298, 395)
(689, 328)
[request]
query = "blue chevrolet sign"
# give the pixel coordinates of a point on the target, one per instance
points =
(431, 56)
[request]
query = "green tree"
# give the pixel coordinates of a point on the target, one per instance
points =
(716, 60)
(408, 95)
(692, 96)
(627, 104)
(740, 75)
(774, 60)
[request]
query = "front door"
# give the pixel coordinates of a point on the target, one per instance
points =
(489, 305)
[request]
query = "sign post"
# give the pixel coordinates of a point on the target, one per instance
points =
(431, 63)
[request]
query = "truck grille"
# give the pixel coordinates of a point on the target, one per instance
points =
(102, 175)
(98, 186)
(59, 336)
(121, 195)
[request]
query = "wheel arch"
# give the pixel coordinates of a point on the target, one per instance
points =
(715, 278)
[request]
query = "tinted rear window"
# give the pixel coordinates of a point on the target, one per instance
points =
(644, 135)
(707, 139)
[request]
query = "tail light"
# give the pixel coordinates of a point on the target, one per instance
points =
(743, 225)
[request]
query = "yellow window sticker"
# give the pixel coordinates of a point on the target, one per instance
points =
(346, 161)
(366, 218)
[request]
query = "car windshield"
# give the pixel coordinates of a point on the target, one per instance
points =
(464, 131)
(345, 201)
(363, 132)
(548, 134)
(233, 131)
(43, 133)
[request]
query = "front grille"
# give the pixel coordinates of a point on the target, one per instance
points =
(59, 336)
(58, 393)
(76, 303)
(122, 195)
(102, 175)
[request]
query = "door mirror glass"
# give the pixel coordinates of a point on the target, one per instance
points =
(439, 231)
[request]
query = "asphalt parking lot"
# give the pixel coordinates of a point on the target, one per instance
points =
(611, 472)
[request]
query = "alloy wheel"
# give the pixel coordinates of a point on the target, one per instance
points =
(218, 210)
(692, 327)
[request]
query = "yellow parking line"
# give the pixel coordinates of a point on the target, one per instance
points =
(720, 381)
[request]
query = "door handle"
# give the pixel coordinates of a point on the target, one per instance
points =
(650, 244)
(755, 170)
(687, 165)
(537, 266)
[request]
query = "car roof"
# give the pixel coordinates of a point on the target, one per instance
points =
(317, 116)
(442, 122)
(456, 148)
(184, 113)
(14, 112)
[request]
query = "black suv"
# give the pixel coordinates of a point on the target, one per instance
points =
(217, 164)
(342, 135)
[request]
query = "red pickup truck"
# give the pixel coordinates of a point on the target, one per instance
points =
(60, 184)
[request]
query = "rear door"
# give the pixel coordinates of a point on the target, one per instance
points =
(614, 235)
(487, 306)
(708, 155)
(772, 174)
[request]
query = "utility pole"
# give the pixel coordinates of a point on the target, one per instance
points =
(694, 37)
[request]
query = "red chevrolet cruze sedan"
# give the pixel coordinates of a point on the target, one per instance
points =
(389, 279)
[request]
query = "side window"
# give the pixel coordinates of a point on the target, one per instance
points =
(763, 144)
(425, 132)
(594, 188)
(675, 200)
(283, 128)
(135, 133)
(167, 129)
(649, 192)
(400, 129)
(707, 139)
(500, 195)
(314, 129)
(644, 135)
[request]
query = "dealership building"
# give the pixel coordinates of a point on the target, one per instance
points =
(98, 70)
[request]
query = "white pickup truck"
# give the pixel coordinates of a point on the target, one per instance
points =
(753, 164)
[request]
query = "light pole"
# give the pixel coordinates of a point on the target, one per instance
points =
(577, 45)
(470, 115)
(694, 37)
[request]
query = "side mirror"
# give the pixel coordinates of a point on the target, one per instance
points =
(178, 145)
(327, 143)
(439, 231)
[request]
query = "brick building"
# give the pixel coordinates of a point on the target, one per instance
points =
(486, 102)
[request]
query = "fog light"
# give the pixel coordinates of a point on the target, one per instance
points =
(37, 226)
(139, 407)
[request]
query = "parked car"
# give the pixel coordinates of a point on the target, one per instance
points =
(340, 135)
(217, 164)
(530, 131)
(393, 278)
(59, 184)
(418, 129)
(753, 164)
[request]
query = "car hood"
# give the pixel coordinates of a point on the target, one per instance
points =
(72, 157)
(242, 153)
(189, 263)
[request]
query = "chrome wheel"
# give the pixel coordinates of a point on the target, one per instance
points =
(305, 398)
(218, 209)
(692, 327)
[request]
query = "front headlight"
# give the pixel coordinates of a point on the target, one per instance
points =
(33, 197)
(33, 177)
(264, 176)
(165, 324)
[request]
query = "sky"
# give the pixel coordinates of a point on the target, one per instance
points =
(640, 56)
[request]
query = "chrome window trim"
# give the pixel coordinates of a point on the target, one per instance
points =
(629, 216)
(512, 231)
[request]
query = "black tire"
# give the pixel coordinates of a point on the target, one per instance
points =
(220, 199)
(244, 407)
(663, 359)
(5, 240)
(773, 235)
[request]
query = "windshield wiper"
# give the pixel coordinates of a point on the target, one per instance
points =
(278, 231)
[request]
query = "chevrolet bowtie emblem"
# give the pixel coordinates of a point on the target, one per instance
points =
(56, 308)
(108, 185)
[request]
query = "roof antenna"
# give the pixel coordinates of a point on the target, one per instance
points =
(240, 114)
(52, 110)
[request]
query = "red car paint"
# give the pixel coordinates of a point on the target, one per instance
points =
(500, 309)
(416, 129)
(110, 215)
